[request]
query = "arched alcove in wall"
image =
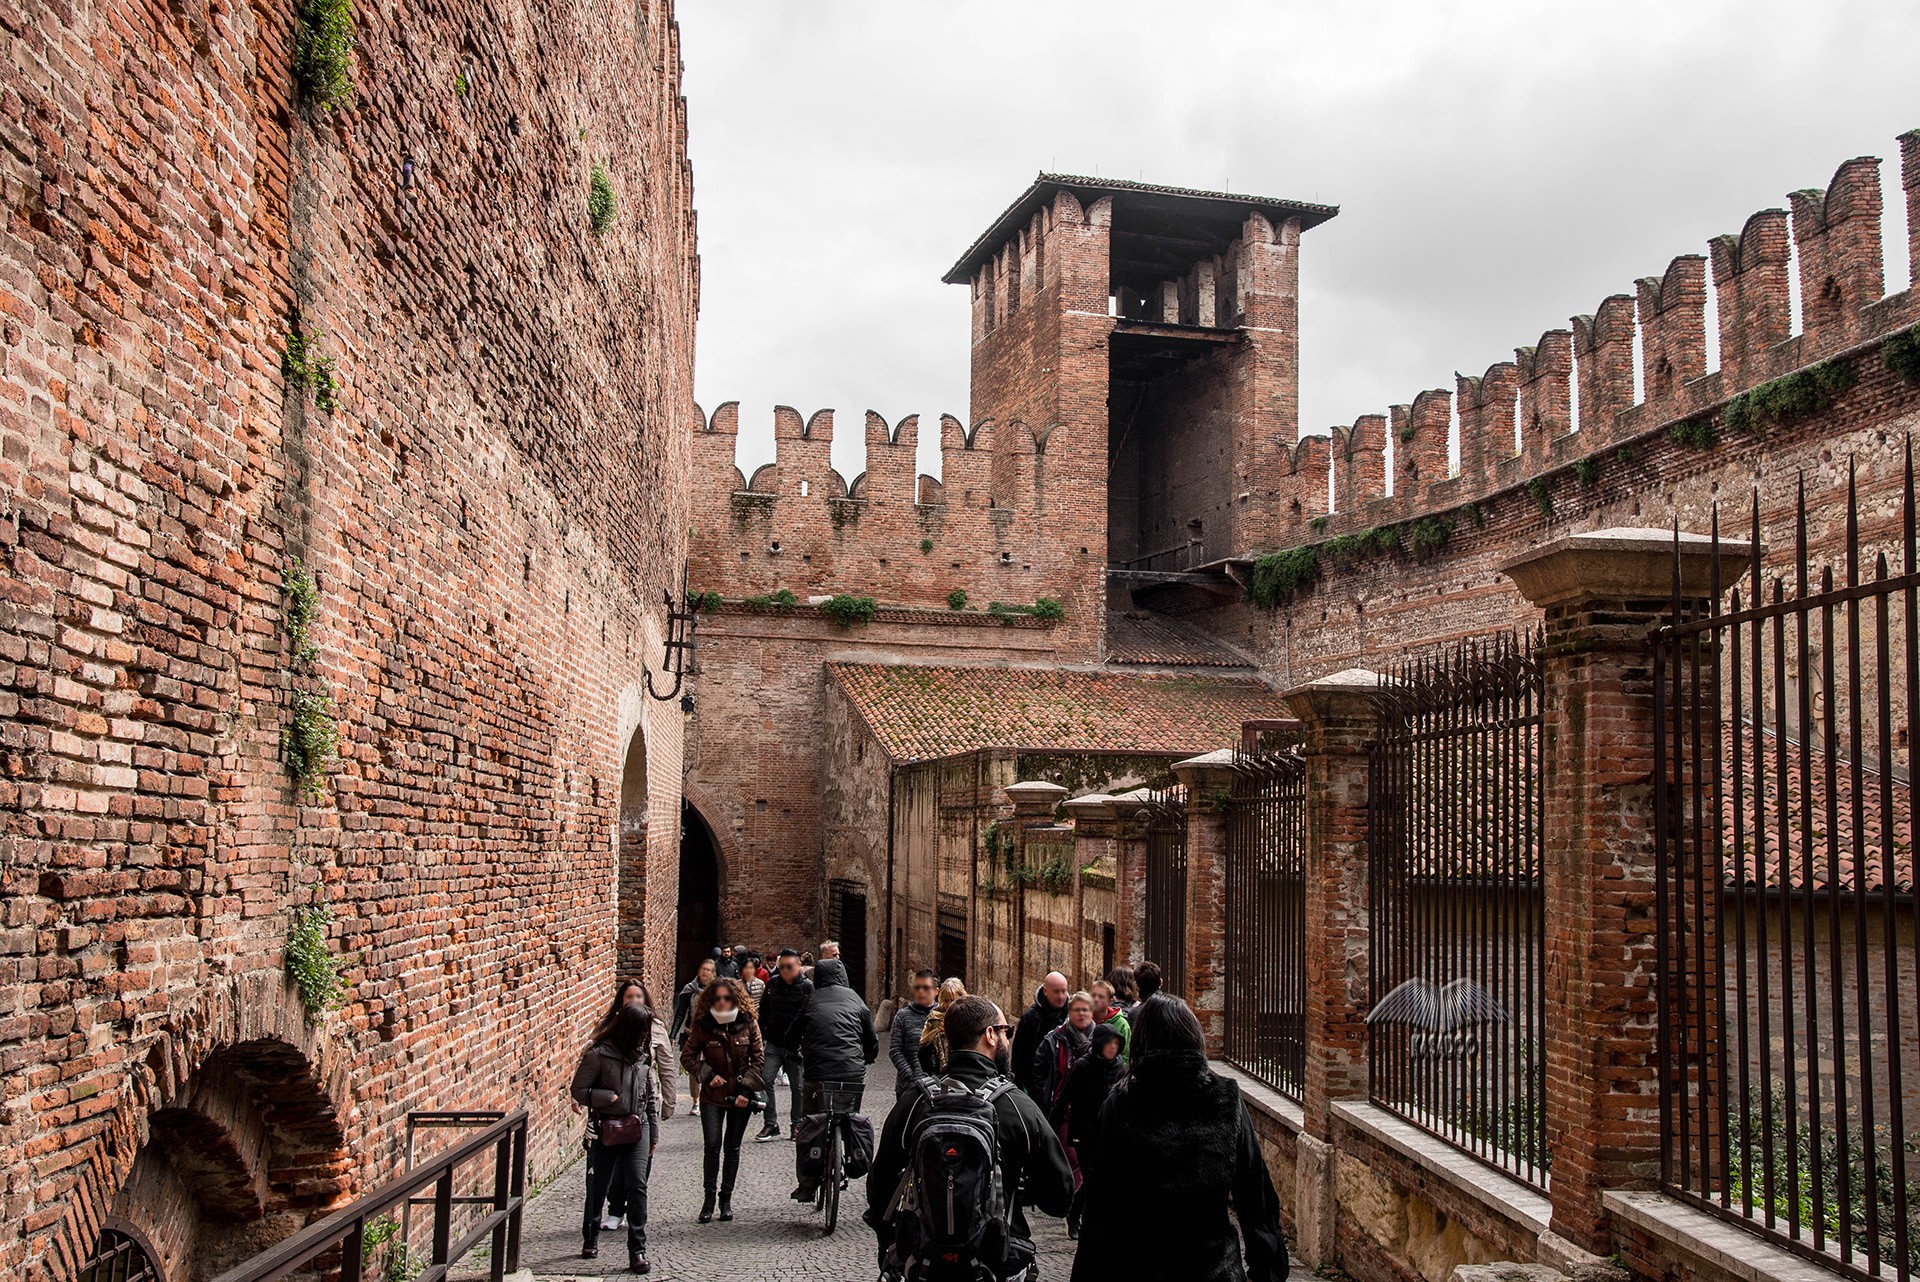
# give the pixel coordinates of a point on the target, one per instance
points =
(698, 929)
(632, 855)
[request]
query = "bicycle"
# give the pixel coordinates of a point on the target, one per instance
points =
(840, 1100)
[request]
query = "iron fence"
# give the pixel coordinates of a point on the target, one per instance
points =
(1166, 886)
(1789, 1065)
(1266, 974)
(1458, 1011)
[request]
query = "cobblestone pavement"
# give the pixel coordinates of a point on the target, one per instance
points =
(770, 1238)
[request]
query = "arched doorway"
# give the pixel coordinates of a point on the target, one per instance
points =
(631, 936)
(699, 907)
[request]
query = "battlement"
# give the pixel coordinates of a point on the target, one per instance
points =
(1637, 364)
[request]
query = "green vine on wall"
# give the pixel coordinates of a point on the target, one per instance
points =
(1902, 353)
(846, 609)
(1588, 472)
(1695, 434)
(926, 545)
(1541, 491)
(308, 372)
(957, 599)
(1789, 398)
(323, 54)
(602, 203)
(783, 599)
(1278, 575)
(310, 961)
(1045, 608)
(303, 604)
(310, 739)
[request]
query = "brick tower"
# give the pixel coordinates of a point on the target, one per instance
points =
(1146, 339)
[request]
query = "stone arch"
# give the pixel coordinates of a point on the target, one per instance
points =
(248, 1151)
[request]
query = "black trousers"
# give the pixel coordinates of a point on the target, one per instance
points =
(722, 1126)
(633, 1162)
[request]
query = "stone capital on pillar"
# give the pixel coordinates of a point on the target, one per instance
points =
(1208, 770)
(1093, 815)
(1338, 710)
(1602, 595)
(1034, 800)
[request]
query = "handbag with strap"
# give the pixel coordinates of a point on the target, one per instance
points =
(618, 1132)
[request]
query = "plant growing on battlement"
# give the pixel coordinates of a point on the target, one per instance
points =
(847, 610)
(309, 741)
(1351, 549)
(310, 962)
(1541, 491)
(1045, 608)
(926, 545)
(1428, 535)
(701, 601)
(957, 599)
(1789, 398)
(1278, 575)
(1588, 470)
(1475, 517)
(303, 604)
(1695, 433)
(1319, 524)
(323, 53)
(308, 372)
(1624, 455)
(1902, 353)
(602, 204)
(780, 599)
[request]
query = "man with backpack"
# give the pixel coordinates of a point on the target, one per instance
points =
(960, 1160)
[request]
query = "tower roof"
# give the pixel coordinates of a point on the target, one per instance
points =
(1143, 211)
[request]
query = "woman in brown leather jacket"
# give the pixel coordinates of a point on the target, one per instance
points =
(723, 1054)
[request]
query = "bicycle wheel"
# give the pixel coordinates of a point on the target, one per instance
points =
(835, 1176)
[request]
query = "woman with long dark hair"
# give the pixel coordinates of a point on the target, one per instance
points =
(724, 1056)
(1175, 1142)
(615, 1085)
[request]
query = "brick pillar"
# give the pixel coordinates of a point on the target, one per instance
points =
(1208, 779)
(1337, 719)
(1601, 593)
(1033, 805)
(1130, 876)
(1094, 831)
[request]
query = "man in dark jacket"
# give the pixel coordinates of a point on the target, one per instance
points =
(903, 1041)
(783, 1013)
(837, 1045)
(1048, 1009)
(1033, 1166)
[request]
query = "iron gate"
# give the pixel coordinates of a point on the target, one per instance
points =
(1166, 886)
(1788, 1068)
(1457, 904)
(1266, 976)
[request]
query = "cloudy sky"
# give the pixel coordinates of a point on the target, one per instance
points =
(1499, 166)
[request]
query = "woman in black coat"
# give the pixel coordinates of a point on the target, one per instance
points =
(1076, 1112)
(615, 1085)
(1176, 1143)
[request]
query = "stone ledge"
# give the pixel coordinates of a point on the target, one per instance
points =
(1711, 1241)
(1501, 1194)
(1263, 1099)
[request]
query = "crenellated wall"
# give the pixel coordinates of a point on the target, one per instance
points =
(993, 525)
(1633, 367)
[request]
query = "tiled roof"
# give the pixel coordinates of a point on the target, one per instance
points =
(1160, 640)
(920, 713)
(1832, 826)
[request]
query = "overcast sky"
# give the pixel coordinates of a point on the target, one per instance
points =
(1499, 166)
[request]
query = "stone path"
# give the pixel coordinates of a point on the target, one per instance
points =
(771, 1237)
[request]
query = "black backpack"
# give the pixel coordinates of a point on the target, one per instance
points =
(950, 1215)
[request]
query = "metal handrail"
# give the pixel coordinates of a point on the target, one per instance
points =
(346, 1228)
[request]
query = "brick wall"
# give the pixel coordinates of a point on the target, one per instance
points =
(491, 515)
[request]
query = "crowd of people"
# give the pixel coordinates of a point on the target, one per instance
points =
(1094, 1105)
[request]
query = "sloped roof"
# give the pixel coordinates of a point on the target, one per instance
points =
(1831, 820)
(922, 713)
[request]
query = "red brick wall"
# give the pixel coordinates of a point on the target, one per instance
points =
(491, 516)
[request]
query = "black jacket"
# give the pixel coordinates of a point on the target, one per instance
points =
(1039, 1020)
(611, 1085)
(903, 1047)
(839, 1041)
(682, 1008)
(1033, 1166)
(783, 1009)
(1054, 1058)
(1077, 1108)
(1176, 1137)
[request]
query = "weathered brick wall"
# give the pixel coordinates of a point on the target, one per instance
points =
(491, 515)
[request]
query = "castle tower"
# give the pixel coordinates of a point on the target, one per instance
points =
(1148, 337)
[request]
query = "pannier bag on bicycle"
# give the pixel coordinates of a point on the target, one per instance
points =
(810, 1141)
(950, 1213)
(856, 1144)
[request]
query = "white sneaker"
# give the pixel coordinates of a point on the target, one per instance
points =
(611, 1222)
